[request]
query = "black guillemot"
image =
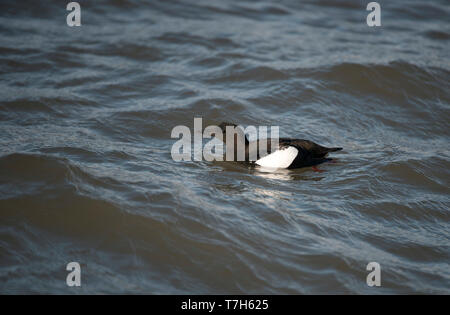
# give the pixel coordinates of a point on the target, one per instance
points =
(289, 153)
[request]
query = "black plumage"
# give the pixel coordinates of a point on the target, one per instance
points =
(309, 152)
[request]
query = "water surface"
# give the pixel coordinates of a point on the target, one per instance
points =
(86, 173)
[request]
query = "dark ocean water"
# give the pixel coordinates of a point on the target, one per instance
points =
(86, 174)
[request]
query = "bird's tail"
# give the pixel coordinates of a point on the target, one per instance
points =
(321, 151)
(333, 149)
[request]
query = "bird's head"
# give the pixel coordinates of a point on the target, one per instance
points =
(238, 132)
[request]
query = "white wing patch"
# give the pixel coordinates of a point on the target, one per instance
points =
(279, 159)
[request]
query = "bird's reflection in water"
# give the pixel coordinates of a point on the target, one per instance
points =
(242, 177)
(285, 174)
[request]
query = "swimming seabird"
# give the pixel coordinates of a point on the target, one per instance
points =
(290, 153)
